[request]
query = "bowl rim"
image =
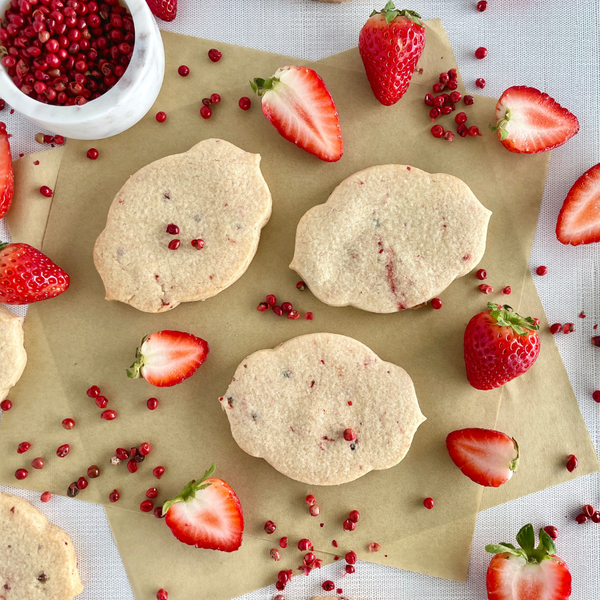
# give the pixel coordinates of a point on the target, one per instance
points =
(143, 22)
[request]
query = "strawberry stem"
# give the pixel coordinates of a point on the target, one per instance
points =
(260, 86)
(501, 125)
(188, 493)
(3, 245)
(391, 12)
(505, 317)
(139, 362)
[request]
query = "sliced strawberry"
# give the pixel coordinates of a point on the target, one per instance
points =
(299, 105)
(529, 121)
(206, 514)
(527, 573)
(6, 172)
(579, 218)
(163, 9)
(485, 456)
(168, 357)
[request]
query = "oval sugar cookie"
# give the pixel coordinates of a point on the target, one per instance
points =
(389, 238)
(37, 559)
(291, 406)
(216, 201)
(13, 357)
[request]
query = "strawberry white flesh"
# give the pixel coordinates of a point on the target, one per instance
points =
(531, 121)
(166, 358)
(513, 578)
(210, 517)
(528, 572)
(485, 456)
(302, 110)
(579, 218)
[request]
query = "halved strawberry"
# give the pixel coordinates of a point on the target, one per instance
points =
(485, 456)
(579, 218)
(166, 358)
(206, 514)
(529, 121)
(6, 172)
(299, 105)
(527, 573)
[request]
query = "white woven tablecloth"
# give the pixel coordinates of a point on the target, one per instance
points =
(545, 44)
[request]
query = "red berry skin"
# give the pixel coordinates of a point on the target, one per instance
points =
(245, 103)
(147, 506)
(63, 450)
(23, 447)
(92, 154)
(6, 405)
(354, 516)
(158, 472)
(551, 531)
(481, 52)
(68, 424)
(436, 303)
(114, 496)
(93, 392)
(132, 465)
(541, 270)
(183, 71)
(37, 463)
(214, 55)
(152, 403)
(480, 83)
(495, 355)
(21, 474)
(205, 112)
(161, 116)
(46, 497)
(555, 328)
(572, 463)
(428, 503)
(162, 595)
(596, 396)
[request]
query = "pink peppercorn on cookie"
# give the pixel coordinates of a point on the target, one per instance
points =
(184, 227)
(389, 238)
(13, 357)
(37, 559)
(322, 409)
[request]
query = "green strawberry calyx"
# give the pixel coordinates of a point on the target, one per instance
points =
(3, 245)
(526, 538)
(136, 367)
(391, 12)
(188, 493)
(501, 125)
(261, 86)
(505, 317)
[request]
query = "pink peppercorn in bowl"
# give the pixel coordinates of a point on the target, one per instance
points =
(117, 109)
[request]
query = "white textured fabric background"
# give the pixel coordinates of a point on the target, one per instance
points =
(540, 43)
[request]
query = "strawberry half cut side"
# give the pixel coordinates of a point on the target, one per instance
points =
(166, 358)
(7, 179)
(529, 121)
(297, 102)
(527, 573)
(206, 514)
(485, 456)
(579, 218)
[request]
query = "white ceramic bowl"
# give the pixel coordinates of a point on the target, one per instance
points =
(118, 109)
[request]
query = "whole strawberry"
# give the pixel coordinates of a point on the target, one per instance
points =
(27, 275)
(163, 9)
(499, 345)
(390, 45)
(527, 573)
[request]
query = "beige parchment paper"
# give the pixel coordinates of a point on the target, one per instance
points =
(79, 339)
